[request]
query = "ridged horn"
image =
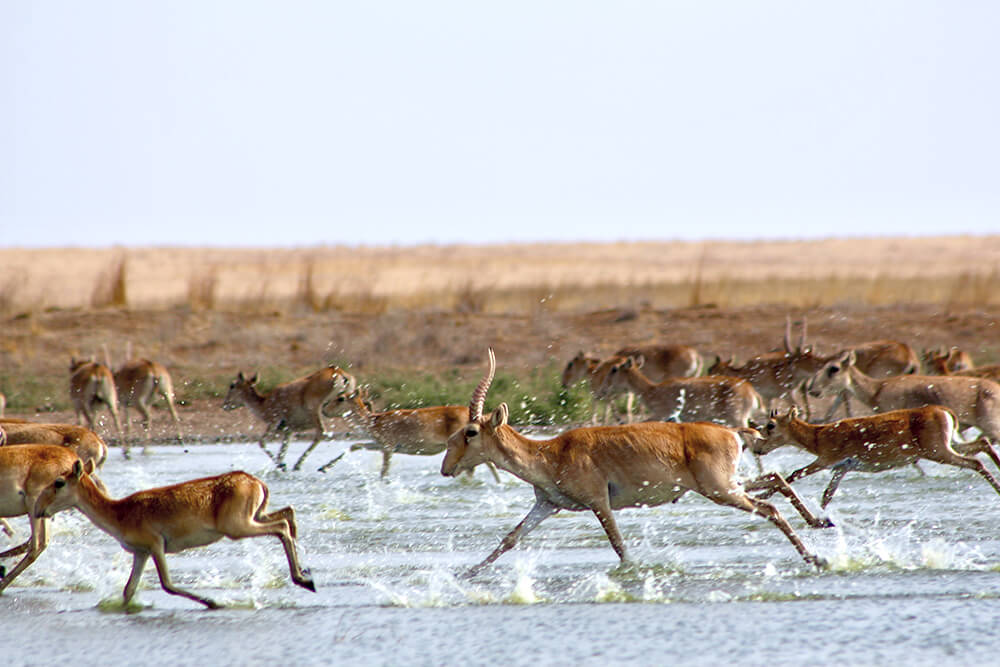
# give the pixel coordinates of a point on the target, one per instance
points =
(788, 334)
(479, 395)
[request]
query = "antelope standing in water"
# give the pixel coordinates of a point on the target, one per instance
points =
(90, 385)
(875, 443)
(170, 519)
(605, 468)
(290, 407)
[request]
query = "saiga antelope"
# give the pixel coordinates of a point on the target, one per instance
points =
(170, 519)
(875, 443)
(25, 472)
(588, 367)
(605, 468)
(91, 384)
(290, 407)
(723, 400)
(137, 381)
(417, 431)
(975, 401)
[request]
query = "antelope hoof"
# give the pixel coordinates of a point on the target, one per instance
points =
(211, 604)
(818, 561)
(306, 582)
(825, 522)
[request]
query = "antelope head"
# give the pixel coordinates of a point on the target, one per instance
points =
(614, 381)
(833, 377)
(773, 433)
(466, 446)
(239, 388)
(577, 369)
(75, 363)
(61, 493)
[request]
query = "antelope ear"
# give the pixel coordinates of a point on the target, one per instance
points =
(239, 376)
(500, 416)
(773, 414)
(89, 467)
(640, 361)
(77, 469)
(253, 379)
(793, 412)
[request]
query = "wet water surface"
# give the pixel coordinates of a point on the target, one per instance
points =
(914, 576)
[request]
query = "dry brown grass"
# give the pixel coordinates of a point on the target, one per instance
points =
(510, 279)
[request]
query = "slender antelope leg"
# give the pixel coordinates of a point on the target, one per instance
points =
(19, 549)
(980, 445)
(841, 398)
(8, 531)
(964, 461)
(493, 469)
(286, 514)
(805, 471)
(607, 519)
(243, 527)
(160, 559)
(39, 540)
(838, 474)
(329, 464)
(541, 510)
(386, 457)
(776, 482)
(753, 505)
(309, 449)
(283, 451)
(139, 559)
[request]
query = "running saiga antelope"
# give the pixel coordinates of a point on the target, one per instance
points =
(712, 398)
(605, 468)
(975, 401)
(417, 431)
(290, 407)
(90, 385)
(137, 381)
(170, 519)
(875, 443)
(25, 472)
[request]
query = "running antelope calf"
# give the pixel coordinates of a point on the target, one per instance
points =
(90, 385)
(605, 468)
(171, 519)
(875, 443)
(416, 431)
(137, 381)
(290, 407)
(25, 472)
(974, 401)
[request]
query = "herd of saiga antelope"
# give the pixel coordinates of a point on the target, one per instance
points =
(696, 430)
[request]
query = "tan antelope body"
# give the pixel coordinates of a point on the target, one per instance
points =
(170, 519)
(290, 407)
(711, 398)
(25, 472)
(137, 382)
(85, 443)
(875, 443)
(663, 362)
(975, 401)
(90, 385)
(415, 431)
(605, 468)
(775, 375)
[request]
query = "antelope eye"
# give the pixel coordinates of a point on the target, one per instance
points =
(59, 483)
(832, 371)
(471, 432)
(770, 426)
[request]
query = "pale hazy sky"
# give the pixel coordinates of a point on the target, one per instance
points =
(300, 123)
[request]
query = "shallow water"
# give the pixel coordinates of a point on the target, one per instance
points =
(914, 576)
